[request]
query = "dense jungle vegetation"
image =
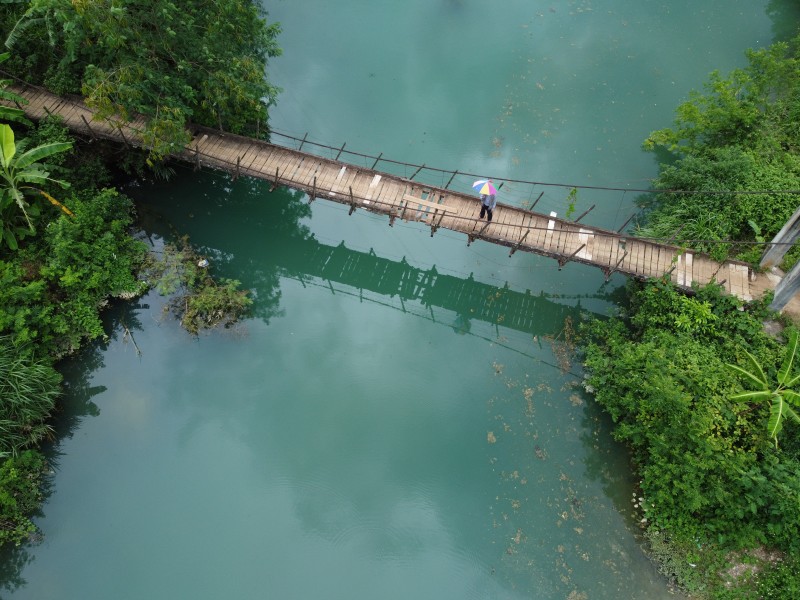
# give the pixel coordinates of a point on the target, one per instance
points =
(704, 397)
(67, 243)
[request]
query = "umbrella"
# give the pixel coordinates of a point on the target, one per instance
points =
(484, 187)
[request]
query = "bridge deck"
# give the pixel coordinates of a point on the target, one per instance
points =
(402, 198)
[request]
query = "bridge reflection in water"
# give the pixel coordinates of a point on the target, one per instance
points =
(534, 314)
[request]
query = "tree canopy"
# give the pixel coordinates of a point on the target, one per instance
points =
(741, 135)
(202, 61)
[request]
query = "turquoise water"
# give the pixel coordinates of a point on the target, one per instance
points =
(401, 417)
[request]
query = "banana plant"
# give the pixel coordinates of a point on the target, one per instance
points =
(19, 167)
(782, 397)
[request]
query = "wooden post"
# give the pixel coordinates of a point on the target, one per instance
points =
(124, 139)
(518, 244)
(610, 272)
(196, 157)
(352, 201)
(417, 171)
(302, 142)
(625, 224)
(675, 235)
(91, 131)
(47, 110)
(274, 183)
(472, 237)
(536, 201)
(563, 261)
(439, 224)
(451, 179)
(376, 161)
(586, 212)
(238, 166)
(313, 191)
(392, 217)
(340, 151)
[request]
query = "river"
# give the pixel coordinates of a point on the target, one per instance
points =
(401, 417)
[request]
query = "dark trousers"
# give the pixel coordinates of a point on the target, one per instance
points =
(485, 210)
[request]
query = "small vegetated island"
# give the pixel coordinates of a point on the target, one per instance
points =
(698, 388)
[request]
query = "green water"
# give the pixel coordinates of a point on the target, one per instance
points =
(400, 417)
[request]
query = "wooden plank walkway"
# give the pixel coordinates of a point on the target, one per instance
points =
(403, 198)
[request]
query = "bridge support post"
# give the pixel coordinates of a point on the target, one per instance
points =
(91, 131)
(473, 236)
(437, 225)
(238, 166)
(340, 151)
(376, 161)
(535, 202)
(610, 272)
(586, 212)
(302, 142)
(451, 179)
(352, 202)
(392, 217)
(625, 224)
(313, 191)
(196, 157)
(274, 183)
(124, 139)
(565, 260)
(422, 166)
(518, 244)
(781, 243)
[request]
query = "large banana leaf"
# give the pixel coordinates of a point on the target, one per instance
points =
(756, 376)
(788, 359)
(40, 152)
(779, 410)
(7, 146)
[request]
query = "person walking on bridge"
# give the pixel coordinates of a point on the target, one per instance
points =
(488, 202)
(485, 187)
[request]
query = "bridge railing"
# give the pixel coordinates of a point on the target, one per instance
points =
(542, 196)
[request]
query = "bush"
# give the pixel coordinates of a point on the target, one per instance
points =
(709, 472)
(20, 495)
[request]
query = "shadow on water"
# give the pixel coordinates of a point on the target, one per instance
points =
(74, 406)
(785, 15)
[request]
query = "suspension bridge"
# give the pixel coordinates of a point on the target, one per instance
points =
(363, 187)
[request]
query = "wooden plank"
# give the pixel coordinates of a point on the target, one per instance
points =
(426, 203)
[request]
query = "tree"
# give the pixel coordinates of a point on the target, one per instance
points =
(18, 167)
(781, 397)
(202, 62)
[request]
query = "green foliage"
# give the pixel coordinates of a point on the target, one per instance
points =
(199, 300)
(173, 62)
(19, 167)
(572, 198)
(51, 293)
(710, 474)
(741, 135)
(782, 397)
(780, 581)
(20, 495)
(28, 390)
